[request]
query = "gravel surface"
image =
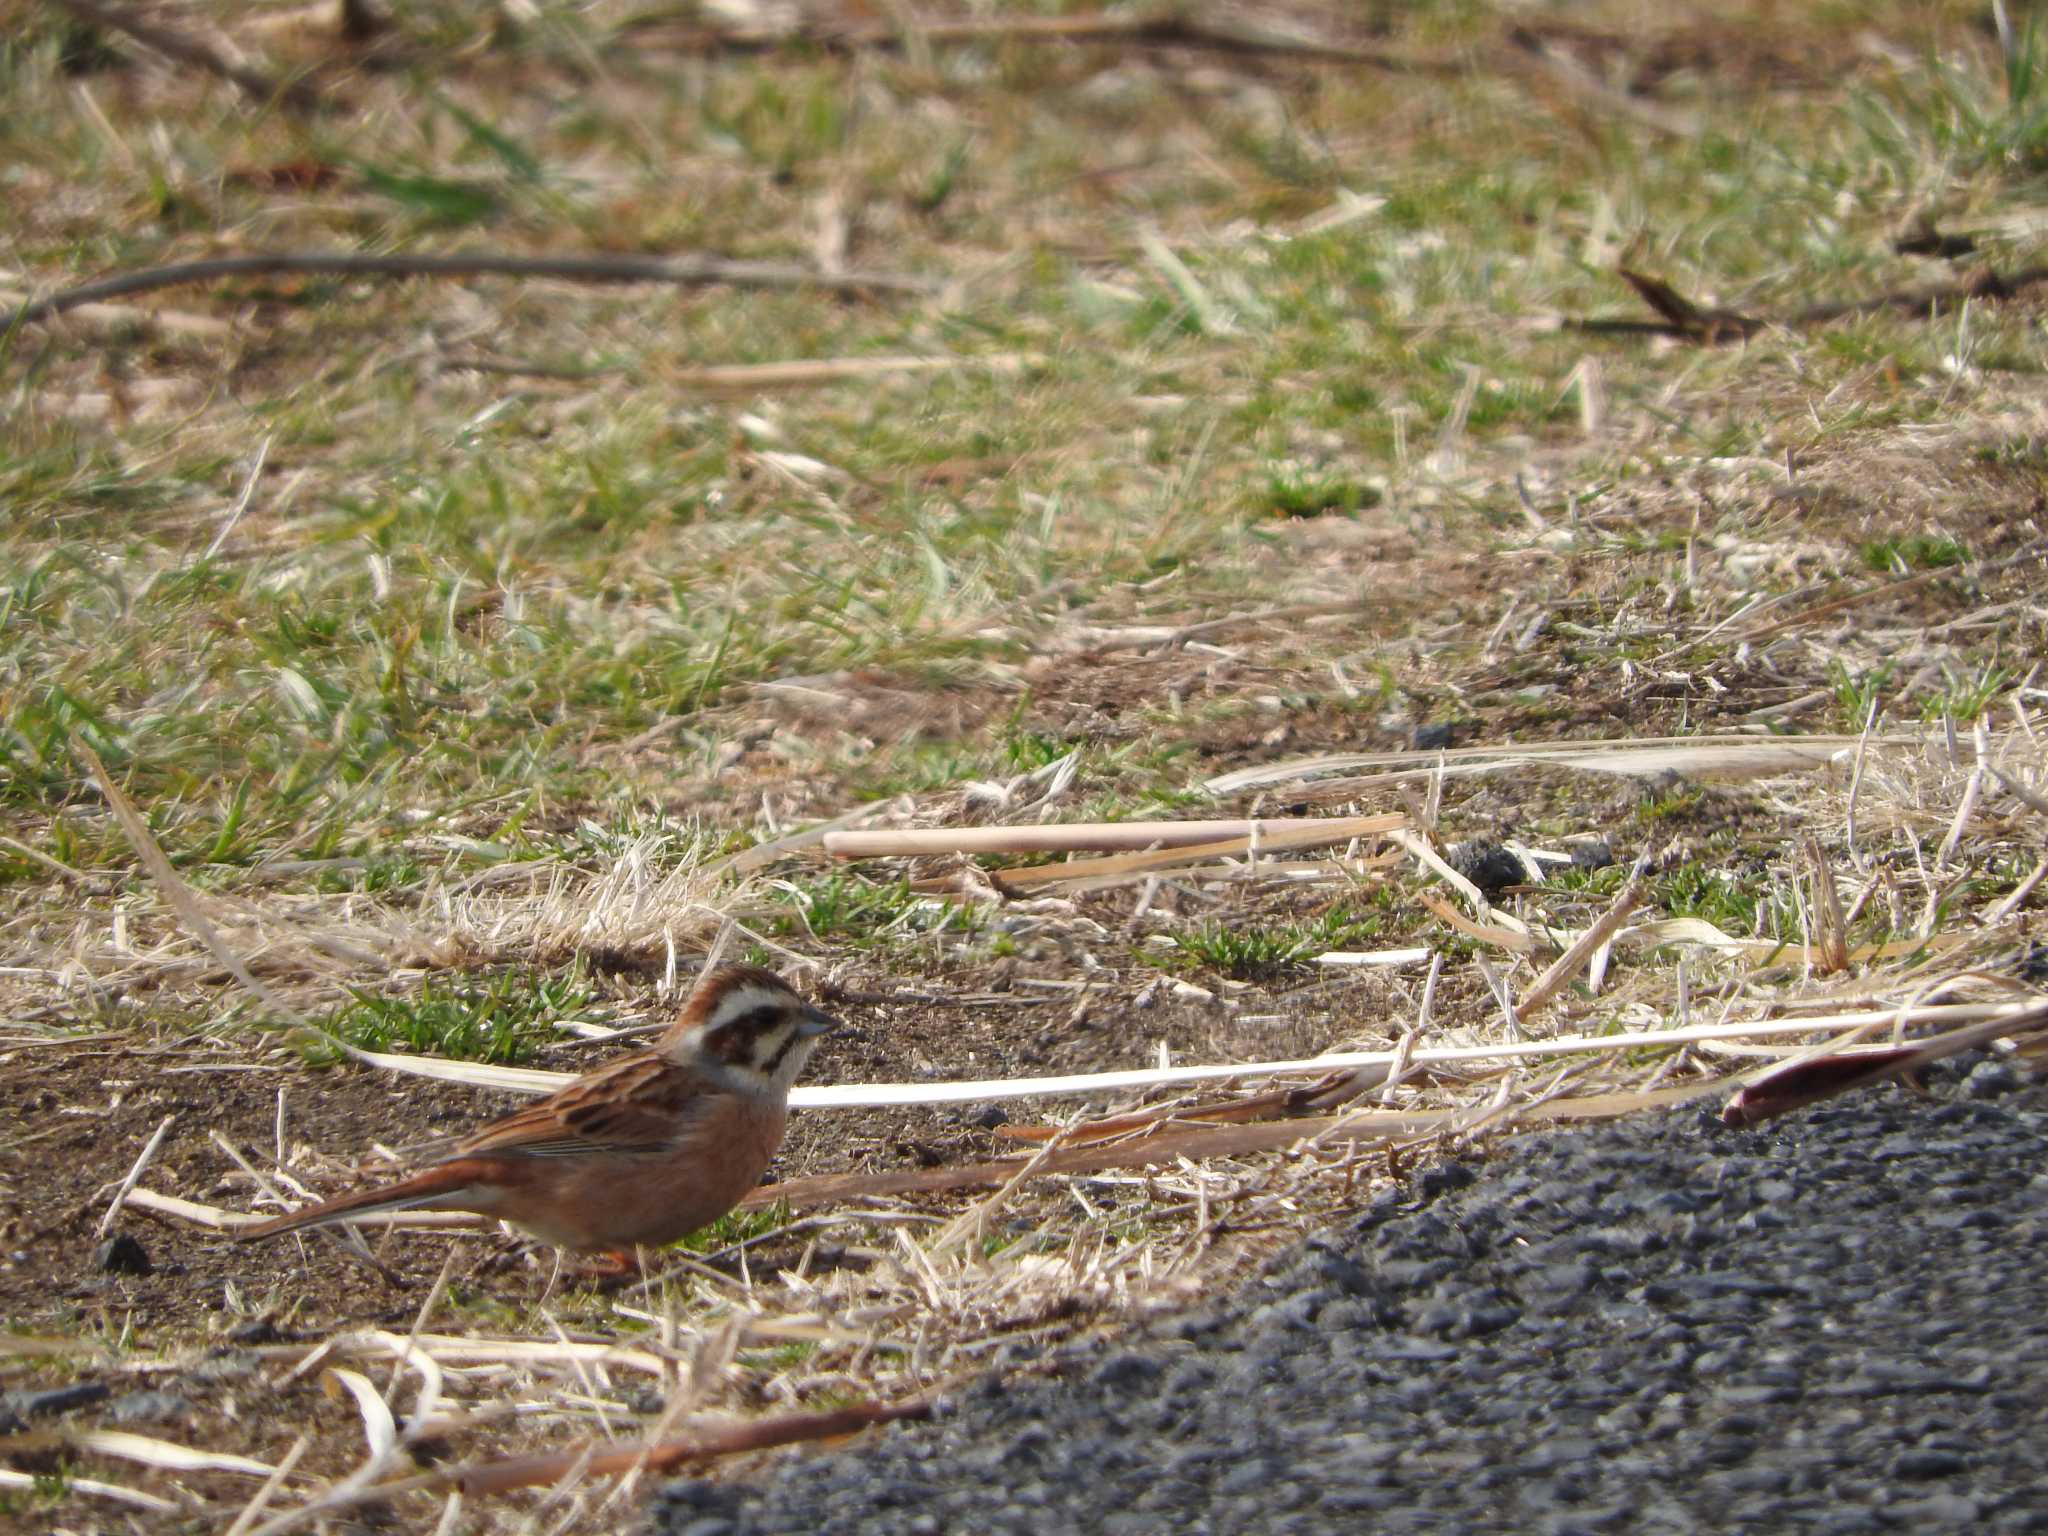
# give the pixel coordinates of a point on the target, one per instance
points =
(1837, 1323)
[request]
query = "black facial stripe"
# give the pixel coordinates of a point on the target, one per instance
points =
(733, 1040)
(781, 1051)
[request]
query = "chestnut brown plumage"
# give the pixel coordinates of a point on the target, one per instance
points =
(643, 1151)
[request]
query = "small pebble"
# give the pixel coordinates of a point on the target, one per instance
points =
(227, 1365)
(1927, 1463)
(1597, 854)
(1990, 1080)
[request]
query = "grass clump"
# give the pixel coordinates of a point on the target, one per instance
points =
(1921, 552)
(1250, 951)
(868, 913)
(501, 1020)
(740, 1226)
(1300, 491)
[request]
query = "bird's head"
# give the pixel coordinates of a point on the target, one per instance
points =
(751, 1026)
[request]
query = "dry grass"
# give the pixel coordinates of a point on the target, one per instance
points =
(470, 654)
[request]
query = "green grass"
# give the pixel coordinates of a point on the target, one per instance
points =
(477, 589)
(851, 910)
(1739, 903)
(501, 1018)
(1858, 695)
(1921, 552)
(1965, 696)
(737, 1227)
(1246, 949)
(51, 1489)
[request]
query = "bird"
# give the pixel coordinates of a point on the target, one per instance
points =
(639, 1152)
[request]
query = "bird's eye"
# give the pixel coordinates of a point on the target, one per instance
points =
(736, 1039)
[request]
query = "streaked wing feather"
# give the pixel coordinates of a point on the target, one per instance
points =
(640, 1103)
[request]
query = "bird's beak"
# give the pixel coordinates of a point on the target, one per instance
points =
(815, 1021)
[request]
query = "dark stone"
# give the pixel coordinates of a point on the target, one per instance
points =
(36, 1404)
(1928, 1463)
(122, 1254)
(1444, 1178)
(1128, 1372)
(1991, 1080)
(1486, 864)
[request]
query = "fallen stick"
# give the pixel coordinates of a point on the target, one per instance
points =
(986, 1090)
(691, 271)
(128, 1184)
(1485, 933)
(1573, 960)
(1130, 31)
(748, 378)
(1375, 957)
(1678, 316)
(806, 373)
(1648, 757)
(1102, 836)
(1295, 836)
(1779, 1090)
(1259, 1106)
(661, 1455)
(143, 1198)
(1198, 1142)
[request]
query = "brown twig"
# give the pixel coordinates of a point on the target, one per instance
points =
(1799, 1083)
(1686, 317)
(661, 1455)
(687, 270)
(1678, 316)
(1170, 1145)
(1294, 837)
(1128, 31)
(1574, 959)
(1273, 1104)
(294, 94)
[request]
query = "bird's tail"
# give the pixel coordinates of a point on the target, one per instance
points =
(430, 1189)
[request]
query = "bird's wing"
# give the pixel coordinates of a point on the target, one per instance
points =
(640, 1103)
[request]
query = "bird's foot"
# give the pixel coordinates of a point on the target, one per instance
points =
(613, 1264)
